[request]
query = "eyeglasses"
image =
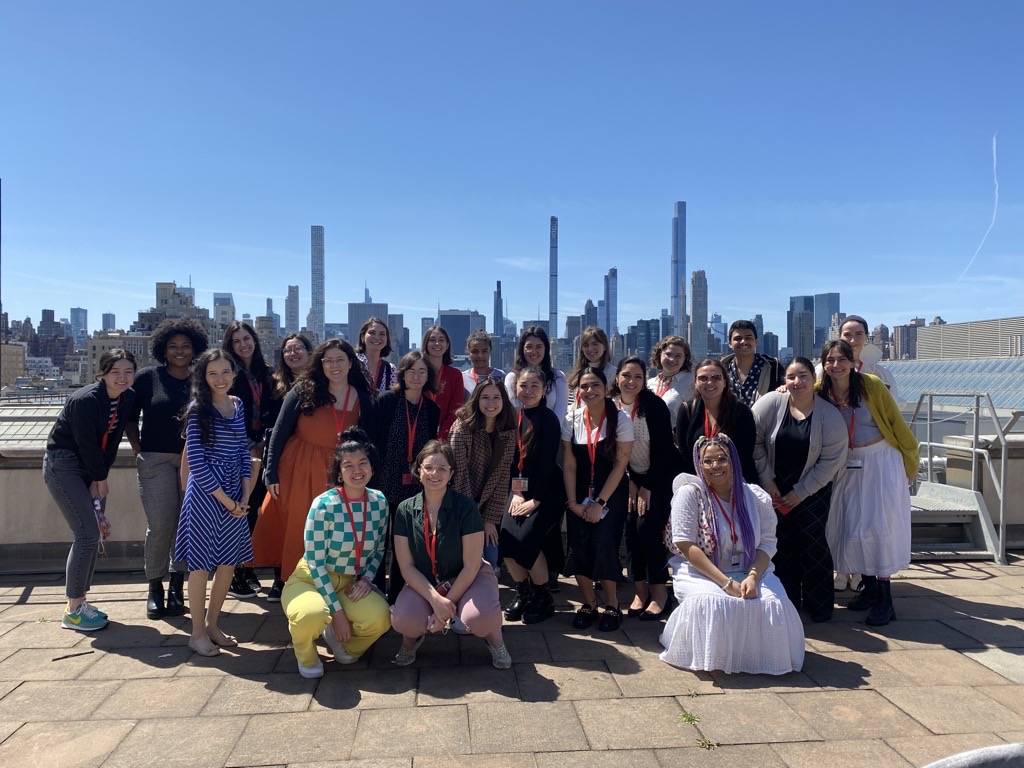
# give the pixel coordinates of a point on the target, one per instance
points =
(712, 377)
(334, 362)
(435, 469)
(721, 461)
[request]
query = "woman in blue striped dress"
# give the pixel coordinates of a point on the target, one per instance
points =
(213, 533)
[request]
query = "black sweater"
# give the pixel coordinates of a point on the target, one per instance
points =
(83, 422)
(742, 432)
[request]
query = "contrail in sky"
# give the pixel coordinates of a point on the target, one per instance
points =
(995, 210)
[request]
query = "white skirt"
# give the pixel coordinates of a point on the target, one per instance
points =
(710, 630)
(869, 521)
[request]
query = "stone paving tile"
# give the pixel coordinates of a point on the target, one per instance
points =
(138, 633)
(445, 685)
(852, 715)
(634, 758)
(158, 697)
(650, 676)
(920, 608)
(1011, 737)
(852, 670)
(538, 726)
(914, 635)
(271, 633)
(952, 709)
(725, 756)
(199, 742)
(7, 727)
(39, 634)
(922, 750)
(290, 738)
(840, 754)
(437, 651)
(755, 718)
(47, 663)
(961, 587)
(833, 638)
(968, 607)
(6, 686)
(237, 662)
(523, 646)
(565, 681)
(635, 723)
(1007, 663)
(366, 689)
(68, 744)
(425, 731)
(41, 701)
(372, 762)
(521, 760)
(573, 645)
(260, 693)
(1000, 633)
(744, 683)
(33, 612)
(286, 663)
(644, 634)
(928, 666)
(1010, 696)
(130, 663)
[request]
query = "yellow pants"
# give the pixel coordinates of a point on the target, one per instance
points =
(308, 614)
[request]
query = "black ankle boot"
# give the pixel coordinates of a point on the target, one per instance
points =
(514, 610)
(882, 611)
(155, 608)
(540, 607)
(176, 595)
(867, 595)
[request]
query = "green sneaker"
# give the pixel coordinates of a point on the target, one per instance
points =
(101, 613)
(84, 619)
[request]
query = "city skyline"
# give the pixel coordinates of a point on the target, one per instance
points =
(805, 166)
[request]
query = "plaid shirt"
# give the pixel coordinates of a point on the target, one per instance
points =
(330, 543)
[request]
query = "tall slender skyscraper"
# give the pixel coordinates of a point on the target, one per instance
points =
(699, 315)
(317, 311)
(291, 310)
(679, 317)
(499, 315)
(610, 322)
(553, 276)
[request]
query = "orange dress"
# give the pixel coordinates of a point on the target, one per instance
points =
(303, 469)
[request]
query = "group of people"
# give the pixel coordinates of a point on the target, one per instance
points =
(387, 495)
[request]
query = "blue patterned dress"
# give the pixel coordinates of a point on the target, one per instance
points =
(207, 535)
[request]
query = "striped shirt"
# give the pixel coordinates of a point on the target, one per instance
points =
(330, 540)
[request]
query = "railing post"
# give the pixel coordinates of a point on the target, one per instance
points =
(975, 448)
(928, 435)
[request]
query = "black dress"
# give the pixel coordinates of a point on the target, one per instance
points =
(742, 432)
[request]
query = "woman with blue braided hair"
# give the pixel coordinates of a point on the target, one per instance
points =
(733, 613)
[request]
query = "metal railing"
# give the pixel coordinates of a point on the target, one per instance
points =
(981, 400)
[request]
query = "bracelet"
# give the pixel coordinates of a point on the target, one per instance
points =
(754, 573)
(727, 583)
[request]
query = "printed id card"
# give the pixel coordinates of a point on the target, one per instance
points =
(520, 484)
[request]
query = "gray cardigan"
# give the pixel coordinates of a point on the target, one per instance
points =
(826, 455)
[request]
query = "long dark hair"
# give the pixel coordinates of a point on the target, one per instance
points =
(201, 399)
(471, 417)
(730, 405)
(361, 346)
(609, 408)
(446, 358)
(856, 392)
(258, 367)
(313, 387)
(592, 332)
(528, 435)
(353, 440)
(284, 379)
(545, 365)
(645, 395)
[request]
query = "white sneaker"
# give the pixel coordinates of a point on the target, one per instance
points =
(459, 626)
(311, 672)
(500, 658)
(407, 656)
(340, 654)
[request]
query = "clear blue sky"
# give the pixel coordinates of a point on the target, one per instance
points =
(819, 146)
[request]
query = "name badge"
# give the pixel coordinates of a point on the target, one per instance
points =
(737, 560)
(855, 463)
(520, 484)
(407, 479)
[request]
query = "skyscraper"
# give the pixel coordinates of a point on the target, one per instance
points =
(460, 323)
(611, 302)
(798, 304)
(590, 316)
(79, 325)
(699, 315)
(499, 315)
(317, 312)
(759, 325)
(109, 321)
(360, 312)
(679, 269)
(553, 275)
(825, 305)
(223, 309)
(291, 310)
(803, 333)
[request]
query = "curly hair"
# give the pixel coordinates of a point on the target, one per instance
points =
(679, 341)
(177, 326)
(312, 385)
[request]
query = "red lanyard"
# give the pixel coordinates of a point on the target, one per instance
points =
(860, 364)
(709, 431)
(721, 508)
(430, 538)
(376, 373)
(257, 398)
(632, 411)
(592, 442)
(519, 440)
(853, 416)
(110, 425)
(410, 427)
(473, 374)
(357, 542)
(663, 385)
(339, 421)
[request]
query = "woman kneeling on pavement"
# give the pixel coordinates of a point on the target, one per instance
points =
(330, 593)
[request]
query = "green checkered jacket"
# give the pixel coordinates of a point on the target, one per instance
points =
(330, 543)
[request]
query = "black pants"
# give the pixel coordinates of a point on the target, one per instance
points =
(645, 540)
(803, 561)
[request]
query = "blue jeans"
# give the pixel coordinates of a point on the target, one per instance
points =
(68, 484)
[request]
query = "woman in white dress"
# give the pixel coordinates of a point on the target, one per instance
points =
(733, 613)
